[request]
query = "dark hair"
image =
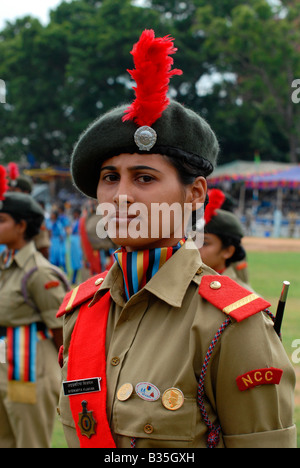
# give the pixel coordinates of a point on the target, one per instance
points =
(33, 225)
(189, 167)
(239, 254)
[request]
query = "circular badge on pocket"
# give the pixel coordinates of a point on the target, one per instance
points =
(173, 399)
(147, 391)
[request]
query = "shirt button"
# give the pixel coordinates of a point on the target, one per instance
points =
(115, 361)
(148, 429)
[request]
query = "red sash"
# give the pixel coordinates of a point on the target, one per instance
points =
(87, 359)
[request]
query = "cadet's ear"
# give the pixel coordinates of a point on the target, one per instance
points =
(228, 252)
(197, 192)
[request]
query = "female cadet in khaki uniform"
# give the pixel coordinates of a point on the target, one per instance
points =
(31, 292)
(161, 352)
(222, 248)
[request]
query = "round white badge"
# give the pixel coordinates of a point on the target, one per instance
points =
(147, 391)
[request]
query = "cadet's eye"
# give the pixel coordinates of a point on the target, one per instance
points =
(110, 177)
(145, 178)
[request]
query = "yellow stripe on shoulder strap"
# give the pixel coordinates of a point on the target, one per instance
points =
(72, 298)
(242, 302)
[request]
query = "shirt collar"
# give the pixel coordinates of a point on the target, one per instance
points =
(168, 284)
(138, 267)
(23, 254)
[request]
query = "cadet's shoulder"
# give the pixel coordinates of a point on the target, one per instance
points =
(36, 259)
(81, 294)
(228, 296)
(39, 271)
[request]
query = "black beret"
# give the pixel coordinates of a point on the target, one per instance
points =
(224, 223)
(180, 131)
(23, 183)
(22, 206)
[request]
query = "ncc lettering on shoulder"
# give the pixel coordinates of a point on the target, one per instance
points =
(2, 92)
(296, 93)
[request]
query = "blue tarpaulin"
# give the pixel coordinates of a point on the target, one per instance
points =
(289, 178)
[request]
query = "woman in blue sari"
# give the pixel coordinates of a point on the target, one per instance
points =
(75, 245)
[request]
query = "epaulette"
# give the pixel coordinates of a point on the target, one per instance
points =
(231, 298)
(81, 294)
(241, 266)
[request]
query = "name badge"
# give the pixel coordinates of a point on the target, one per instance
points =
(78, 387)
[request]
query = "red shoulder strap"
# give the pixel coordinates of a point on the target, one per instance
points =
(87, 360)
(80, 294)
(230, 297)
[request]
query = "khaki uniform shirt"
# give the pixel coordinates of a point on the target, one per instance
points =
(233, 274)
(14, 311)
(161, 336)
(28, 410)
(241, 270)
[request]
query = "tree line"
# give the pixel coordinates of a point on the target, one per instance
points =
(239, 60)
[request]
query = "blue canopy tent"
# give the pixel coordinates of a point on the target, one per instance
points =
(289, 178)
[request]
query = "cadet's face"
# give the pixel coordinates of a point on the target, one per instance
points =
(10, 231)
(214, 254)
(136, 186)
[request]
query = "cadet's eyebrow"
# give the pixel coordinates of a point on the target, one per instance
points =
(108, 168)
(133, 168)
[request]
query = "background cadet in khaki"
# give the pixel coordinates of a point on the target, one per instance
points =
(222, 248)
(23, 184)
(186, 357)
(31, 292)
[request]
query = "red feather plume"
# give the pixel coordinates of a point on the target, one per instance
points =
(3, 182)
(13, 171)
(216, 200)
(152, 74)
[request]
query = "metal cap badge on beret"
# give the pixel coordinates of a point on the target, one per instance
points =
(151, 123)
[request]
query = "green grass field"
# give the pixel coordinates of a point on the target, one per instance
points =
(267, 272)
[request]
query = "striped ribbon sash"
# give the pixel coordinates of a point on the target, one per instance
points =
(21, 359)
(21, 353)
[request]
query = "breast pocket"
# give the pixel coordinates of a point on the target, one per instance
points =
(14, 311)
(137, 418)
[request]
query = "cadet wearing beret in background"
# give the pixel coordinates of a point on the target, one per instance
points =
(159, 351)
(222, 249)
(23, 184)
(31, 291)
